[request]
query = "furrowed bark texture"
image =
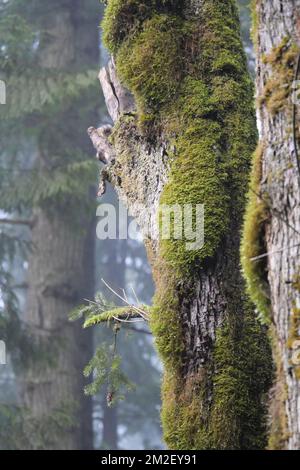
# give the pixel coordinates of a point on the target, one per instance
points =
(61, 265)
(277, 35)
(185, 137)
(53, 383)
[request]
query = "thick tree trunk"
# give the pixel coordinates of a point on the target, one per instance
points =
(61, 265)
(277, 188)
(54, 381)
(167, 148)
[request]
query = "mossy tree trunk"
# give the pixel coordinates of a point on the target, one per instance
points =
(186, 136)
(272, 228)
(61, 264)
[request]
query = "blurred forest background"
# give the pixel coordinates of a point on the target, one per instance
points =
(50, 258)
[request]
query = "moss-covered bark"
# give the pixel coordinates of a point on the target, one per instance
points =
(185, 65)
(271, 230)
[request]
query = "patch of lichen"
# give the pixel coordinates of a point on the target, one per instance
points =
(191, 78)
(293, 342)
(294, 331)
(253, 241)
(278, 88)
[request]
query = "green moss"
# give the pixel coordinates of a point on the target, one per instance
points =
(276, 98)
(124, 17)
(214, 107)
(190, 80)
(253, 243)
(278, 87)
(120, 18)
(166, 327)
(296, 283)
(241, 383)
(113, 315)
(198, 174)
(255, 21)
(184, 414)
(151, 64)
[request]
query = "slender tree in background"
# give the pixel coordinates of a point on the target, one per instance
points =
(133, 422)
(271, 245)
(185, 136)
(53, 191)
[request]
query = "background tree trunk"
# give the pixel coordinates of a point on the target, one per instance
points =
(110, 427)
(167, 148)
(273, 217)
(61, 265)
(113, 267)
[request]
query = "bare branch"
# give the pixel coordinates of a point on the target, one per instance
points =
(139, 330)
(270, 253)
(119, 319)
(100, 140)
(28, 222)
(142, 313)
(117, 98)
(24, 285)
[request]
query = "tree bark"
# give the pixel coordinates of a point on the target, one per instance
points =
(277, 36)
(205, 328)
(61, 264)
(110, 426)
(53, 384)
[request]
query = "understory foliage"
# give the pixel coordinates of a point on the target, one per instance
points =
(106, 367)
(19, 428)
(191, 85)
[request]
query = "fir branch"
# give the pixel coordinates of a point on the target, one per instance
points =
(27, 94)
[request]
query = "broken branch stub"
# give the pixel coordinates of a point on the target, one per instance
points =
(117, 98)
